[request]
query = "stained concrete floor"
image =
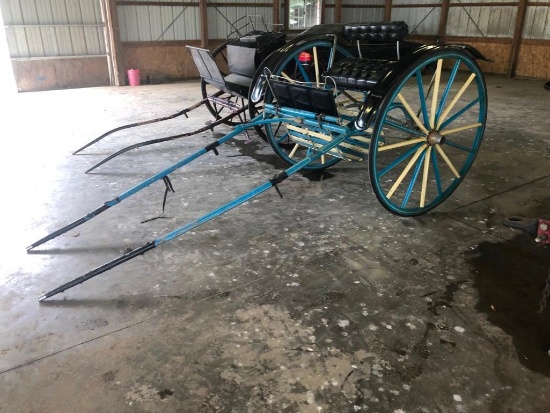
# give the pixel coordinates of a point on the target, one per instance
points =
(318, 302)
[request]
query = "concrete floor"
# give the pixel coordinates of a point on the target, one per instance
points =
(318, 302)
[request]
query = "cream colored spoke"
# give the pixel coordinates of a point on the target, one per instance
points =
(323, 159)
(436, 92)
(412, 114)
(406, 170)
(287, 77)
(400, 144)
(456, 98)
(316, 61)
(425, 178)
(293, 152)
(451, 131)
(447, 160)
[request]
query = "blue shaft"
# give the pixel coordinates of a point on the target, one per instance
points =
(180, 231)
(238, 129)
(251, 194)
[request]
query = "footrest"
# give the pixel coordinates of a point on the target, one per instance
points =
(376, 32)
(359, 74)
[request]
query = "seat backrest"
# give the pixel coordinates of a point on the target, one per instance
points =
(304, 97)
(208, 69)
(376, 32)
(241, 60)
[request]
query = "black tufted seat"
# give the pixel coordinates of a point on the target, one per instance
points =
(376, 32)
(359, 74)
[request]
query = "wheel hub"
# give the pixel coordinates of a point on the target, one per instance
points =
(434, 137)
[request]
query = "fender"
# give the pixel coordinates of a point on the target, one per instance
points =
(379, 92)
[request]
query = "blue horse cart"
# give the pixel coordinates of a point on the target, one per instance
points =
(354, 92)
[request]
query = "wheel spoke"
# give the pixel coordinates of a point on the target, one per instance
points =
(456, 98)
(413, 181)
(460, 113)
(287, 77)
(462, 128)
(421, 94)
(447, 89)
(316, 62)
(425, 178)
(436, 92)
(406, 170)
(397, 161)
(293, 152)
(447, 160)
(411, 113)
(456, 145)
(400, 144)
(400, 127)
(436, 172)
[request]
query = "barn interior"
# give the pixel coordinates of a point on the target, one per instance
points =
(310, 297)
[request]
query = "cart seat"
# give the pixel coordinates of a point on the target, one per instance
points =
(359, 74)
(234, 83)
(376, 32)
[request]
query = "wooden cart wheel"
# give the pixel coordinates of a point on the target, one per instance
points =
(414, 166)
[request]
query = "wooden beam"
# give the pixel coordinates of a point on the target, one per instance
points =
(203, 9)
(114, 48)
(387, 10)
(518, 30)
(338, 11)
(286, 11)
(443, 19)
(276, 13)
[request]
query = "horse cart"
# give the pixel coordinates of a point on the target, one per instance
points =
(415, 113)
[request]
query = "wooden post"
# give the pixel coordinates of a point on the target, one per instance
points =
(276, 11)
(286, 11)
(442, 31)
(518, 30)
(387, 10)
(338, 11)
(322, 12)
(203, 9)
(113, 44)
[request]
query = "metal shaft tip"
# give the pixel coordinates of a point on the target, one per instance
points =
(42, 297)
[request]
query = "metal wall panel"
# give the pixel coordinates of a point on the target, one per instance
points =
(353, 15)
(158, 23)
(152, 23)
(53, 28)
(220, 20)
(537, 23)
(421, 20)
(482, 21)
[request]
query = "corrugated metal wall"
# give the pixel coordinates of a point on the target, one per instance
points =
(361, 11)
(158, 23)
(482, 20)
(145, 23)
(537, 21)
(421, 20)
(53, 28)
(219, 17)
